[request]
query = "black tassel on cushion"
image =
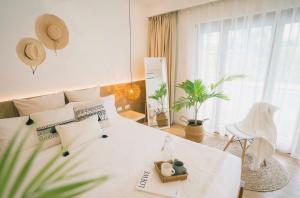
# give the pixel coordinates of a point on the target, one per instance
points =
(99, 119)
(66, 153)
(53, 130)
(29, 121)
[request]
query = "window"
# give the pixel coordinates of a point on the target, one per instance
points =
(266, 48)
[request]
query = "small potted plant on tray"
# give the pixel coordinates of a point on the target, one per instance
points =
(160, 96)
(196, 94)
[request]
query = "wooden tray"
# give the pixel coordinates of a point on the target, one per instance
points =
(165, 179)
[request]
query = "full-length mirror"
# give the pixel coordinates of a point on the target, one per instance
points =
(157, 92)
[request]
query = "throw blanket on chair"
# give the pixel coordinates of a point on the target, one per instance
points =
(259, 124)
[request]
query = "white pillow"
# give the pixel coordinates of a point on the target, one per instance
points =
(110, 106)
(28, 106)
(47, 120)
(78, 133)
(83, 95)
(10, 126)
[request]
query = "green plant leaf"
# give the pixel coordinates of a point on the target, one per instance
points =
(23, 173)
(76, 192)
(11, 164)
(37, 178)
(56, 171)
(48, 175)
(154, 97)
(62, 173)
(159, 95)
(188, 87)
(80, 191)
(160, 92)
(68, 176)
(219, 95)
(4, 164)
(65, 189)
(228, 78)
(182, 102)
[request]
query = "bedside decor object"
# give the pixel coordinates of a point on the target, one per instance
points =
(167, 169)
(196, 93)
(157, 92)
(167, 149)
(132, 115)
(166, 179)
(52, 31)
(179, 168)
(31, 52)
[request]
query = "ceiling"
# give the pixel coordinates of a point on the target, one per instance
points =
(152, 2)
(157, 7)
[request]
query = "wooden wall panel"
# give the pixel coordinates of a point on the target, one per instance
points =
(121, 100)
(7, 108)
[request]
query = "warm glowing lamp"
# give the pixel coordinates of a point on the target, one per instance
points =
(132, 91)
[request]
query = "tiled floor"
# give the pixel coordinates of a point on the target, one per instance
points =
(292, 190)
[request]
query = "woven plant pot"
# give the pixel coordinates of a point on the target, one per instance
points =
(194, 132)
(161, 119)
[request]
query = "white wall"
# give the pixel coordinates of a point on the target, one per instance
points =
(97, 53)
(164, 6)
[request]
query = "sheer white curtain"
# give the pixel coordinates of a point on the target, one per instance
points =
(260, 39)
(238, 45)
(284, 80)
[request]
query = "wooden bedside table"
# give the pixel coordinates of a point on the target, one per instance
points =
(133, 115)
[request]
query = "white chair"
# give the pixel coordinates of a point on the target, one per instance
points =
(259, 116)
(238, 136)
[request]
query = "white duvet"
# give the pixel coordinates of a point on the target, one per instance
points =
(132, 147)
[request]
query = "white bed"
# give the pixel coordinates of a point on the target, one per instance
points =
(132, 147)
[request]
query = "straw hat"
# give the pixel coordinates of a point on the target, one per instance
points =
(52, 31)
(31, 52)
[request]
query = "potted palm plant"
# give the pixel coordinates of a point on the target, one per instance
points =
(160, 96)
(196, 94)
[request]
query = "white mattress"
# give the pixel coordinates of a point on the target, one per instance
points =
(131, 147)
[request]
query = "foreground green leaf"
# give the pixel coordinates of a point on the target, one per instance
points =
(12, 177)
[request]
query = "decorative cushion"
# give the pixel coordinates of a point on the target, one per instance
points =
(83, 95)
(10, 126)
(84, 110)
(46, 121)
(28, 106)
(77, 133)
(110, 106)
